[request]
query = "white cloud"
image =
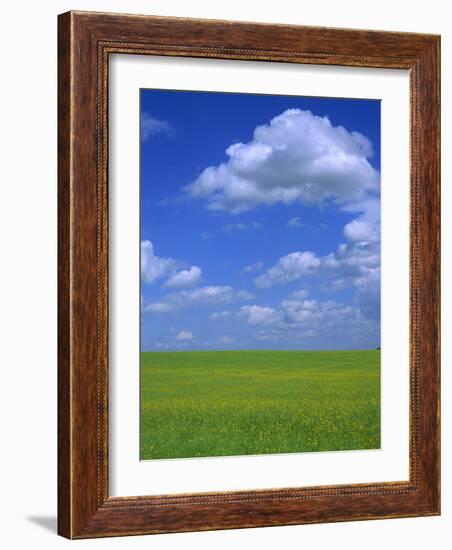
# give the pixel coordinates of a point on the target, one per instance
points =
(361, 231)
(295, 222)
(159, 307)
(355, 265)
(368, 293)
(173, 344)
(298, 156)
(215, 342)
(151, 126)
(278, 335)
(153, 267)
(297, 320)
(184, 278)
(207, 295)
(365, 228)
(185, 340)
(205, 235)
(184, 335)
(289, 268)
(352, 261)
(299, 294)
(220, 315)
(260, 315)
(253, 267)
(309, 311)
(232, 227)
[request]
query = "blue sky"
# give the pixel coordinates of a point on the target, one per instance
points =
(260, 222)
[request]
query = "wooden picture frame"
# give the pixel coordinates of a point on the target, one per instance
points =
(85, 42)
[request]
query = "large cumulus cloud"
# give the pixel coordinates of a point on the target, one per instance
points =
(298, 156)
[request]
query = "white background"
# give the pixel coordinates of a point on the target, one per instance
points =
(128, 476)
(28, 272)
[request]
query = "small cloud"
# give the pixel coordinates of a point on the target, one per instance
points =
(205, 235)
(154, 267)
(160, 307)
(252, 268)
(295, 222)
(289, 268)
(151, 126)
(184, 335)
(185, 278)
(361, 230)
(299, 294)
(233, 227)
(203, 296)
(220, 315)
(260, 315)
(317, 228)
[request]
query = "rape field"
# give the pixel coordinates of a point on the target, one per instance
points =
(226, 403)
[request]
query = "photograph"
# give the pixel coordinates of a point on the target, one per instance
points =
(228, 328)
(260, 274)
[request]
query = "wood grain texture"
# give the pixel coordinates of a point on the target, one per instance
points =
(85, 42)
(64, 295)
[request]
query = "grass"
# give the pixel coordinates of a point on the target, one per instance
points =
(226, 403)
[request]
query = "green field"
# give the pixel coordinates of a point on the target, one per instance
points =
(229, 403)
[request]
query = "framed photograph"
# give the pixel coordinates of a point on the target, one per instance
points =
(248, 275)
